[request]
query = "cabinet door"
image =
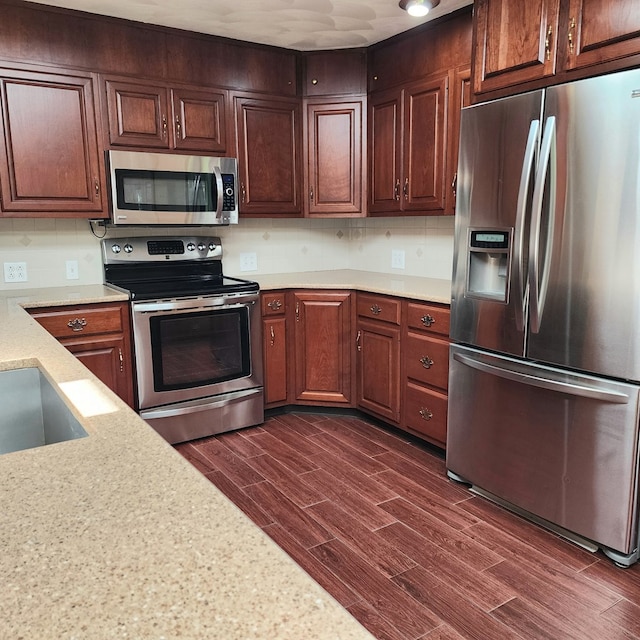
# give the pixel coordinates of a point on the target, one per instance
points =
(108, 358)
(335, 158)
(601, 31)
(385, 151)
(274, 333)
(269, 139)
(322, 330)
(514, 42)
(49, 157)
(424, 135)
(199, 120)
(378, 369)
(138, 115)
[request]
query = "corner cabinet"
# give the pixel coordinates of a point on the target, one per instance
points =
(155, 116)
(49, 161)
(542, 40)
(407, 147)
(99, 336)
(274, 348)
(323, 372)
(268, 134)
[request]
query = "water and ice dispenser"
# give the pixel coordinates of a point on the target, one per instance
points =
(488, 270)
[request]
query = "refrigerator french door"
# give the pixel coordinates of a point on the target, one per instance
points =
(545, 312)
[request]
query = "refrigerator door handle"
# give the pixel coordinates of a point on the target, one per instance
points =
(614, 397)
(538, 285)
(521, 209)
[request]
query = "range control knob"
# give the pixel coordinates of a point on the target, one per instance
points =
(116, 248)
(128, 248)
(212, 246)
(202, 246)
(191, 246)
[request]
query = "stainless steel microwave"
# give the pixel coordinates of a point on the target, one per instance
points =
(170, 189)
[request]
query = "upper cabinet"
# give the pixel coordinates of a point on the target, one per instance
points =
(49, 160)
(543, 41)
(268, 135)
(152, 115)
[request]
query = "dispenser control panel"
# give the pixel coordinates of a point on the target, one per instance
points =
(490, 239)
(488, 267)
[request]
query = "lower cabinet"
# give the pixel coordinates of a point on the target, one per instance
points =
(99, 336)
(323, 347)
(274, 348)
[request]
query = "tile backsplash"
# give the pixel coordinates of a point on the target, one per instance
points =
(280, 245)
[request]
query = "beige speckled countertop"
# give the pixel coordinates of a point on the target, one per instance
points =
(426, 289)
(117, 536)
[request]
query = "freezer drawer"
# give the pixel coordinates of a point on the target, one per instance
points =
(559, 445)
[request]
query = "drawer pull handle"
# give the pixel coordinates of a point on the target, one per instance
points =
(428, 320)
(375, 309)
(77, 324)
(426, 362)
(425, 414)
(273, 335)
(274, 305)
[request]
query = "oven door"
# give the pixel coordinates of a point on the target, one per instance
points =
(197, 347)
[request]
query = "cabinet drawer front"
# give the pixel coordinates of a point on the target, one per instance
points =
(427, 360)
(69, 323)
(274, 303)
(379, 308)
(426, 413)
(427, 317)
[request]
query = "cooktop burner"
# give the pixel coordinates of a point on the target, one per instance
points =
(152, 268)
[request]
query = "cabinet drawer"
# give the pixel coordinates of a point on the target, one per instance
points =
(427, 317)
(379, 308)
(68, 322)
(427, 360)
(426, 413)
(274, 303)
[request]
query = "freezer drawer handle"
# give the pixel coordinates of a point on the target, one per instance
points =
(427, 320)
(615, 397)
(425, 414)
(426, 362)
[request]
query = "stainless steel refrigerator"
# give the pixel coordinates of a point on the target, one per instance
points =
(545, 310)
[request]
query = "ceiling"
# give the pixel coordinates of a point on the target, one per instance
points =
(303, 25)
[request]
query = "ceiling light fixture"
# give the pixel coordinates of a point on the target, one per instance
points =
(418, 8)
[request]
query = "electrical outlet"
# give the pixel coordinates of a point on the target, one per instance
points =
(397, 259)
(15, 271)
(248, 262)
(72, 270)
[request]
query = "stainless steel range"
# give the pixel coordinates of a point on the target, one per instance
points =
(196, 335)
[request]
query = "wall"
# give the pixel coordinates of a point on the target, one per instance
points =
(280, 245)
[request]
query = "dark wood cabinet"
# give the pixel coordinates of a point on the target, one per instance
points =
(269, 136)
(274, 332)
(335, 169)
(378, 356)
(333, 73)
(543, 41)
(407, 148)
(151, 115)
(99, 336)
(49, 160)
(323, 347)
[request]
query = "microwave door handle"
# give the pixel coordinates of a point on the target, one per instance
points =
(218, 176)
(519, 232)
(539, 285)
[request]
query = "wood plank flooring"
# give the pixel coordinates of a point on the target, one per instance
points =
(370, 515)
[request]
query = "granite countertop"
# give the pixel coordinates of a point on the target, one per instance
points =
(425, 289)
(116, 536)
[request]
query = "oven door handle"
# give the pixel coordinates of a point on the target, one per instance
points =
(196, 406)
(197, 304)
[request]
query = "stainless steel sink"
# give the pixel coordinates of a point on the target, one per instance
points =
(32, 413)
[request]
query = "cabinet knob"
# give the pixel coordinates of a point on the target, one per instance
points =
(376, 310)
(426, 362)
(274, 305)
(77, 324)
(425, 414)
(314, 81)
(428, 320)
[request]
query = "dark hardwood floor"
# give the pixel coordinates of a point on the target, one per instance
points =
(371, 516)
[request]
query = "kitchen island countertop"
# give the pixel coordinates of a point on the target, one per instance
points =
(117, 536)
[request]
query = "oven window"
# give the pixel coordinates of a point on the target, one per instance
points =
(201, 348)
(165, 190)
